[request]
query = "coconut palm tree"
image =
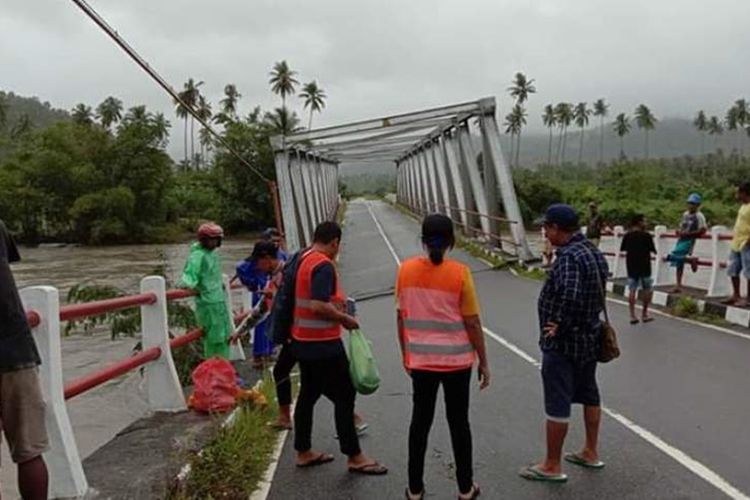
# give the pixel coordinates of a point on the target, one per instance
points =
(743, 119)
(206, 141)
(137, 115)
(282, 81)
(601, 109)
(645, 120)
(109, 111)
(622, 128)
(182, 112)
(511, 128)
(161, 127)
(82, 114)
(281, 121)
(520, 89)
(229, 102)
(715, 128)
(519, 116)
(581, 115)
(315, 99)
(192, 94)
(564, 113)
(732, 123)
(204, 112)
(550, 120)
(701, 124)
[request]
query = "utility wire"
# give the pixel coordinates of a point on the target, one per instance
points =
(99, 20)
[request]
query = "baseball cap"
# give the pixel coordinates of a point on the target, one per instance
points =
(269, 233)
(695, 199)
(561, 215)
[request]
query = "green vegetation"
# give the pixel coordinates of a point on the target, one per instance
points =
(233, 464)
(687, 307)
(364, 184)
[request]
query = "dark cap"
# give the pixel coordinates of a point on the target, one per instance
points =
(269, 233)
(560, 215)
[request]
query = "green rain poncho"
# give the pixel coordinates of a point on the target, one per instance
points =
(203, 273)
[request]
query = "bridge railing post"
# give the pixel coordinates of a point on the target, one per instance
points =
(662, 273)
(66, 476)
(618, 263)
(719, 283)
(162, 382)
(236, 352)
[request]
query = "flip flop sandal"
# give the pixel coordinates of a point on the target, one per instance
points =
(411, 496)
(323, 458)
(634, 321)
(371, 469)
(361, 428)
(532, 473)
(475, 493)
(577, 459)
(647, 320)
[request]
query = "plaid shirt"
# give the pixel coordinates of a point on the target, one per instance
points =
(571, 297)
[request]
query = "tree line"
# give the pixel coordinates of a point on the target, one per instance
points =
(103, 175)
(559, 117)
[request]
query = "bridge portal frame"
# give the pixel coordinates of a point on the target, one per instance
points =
(438, 169)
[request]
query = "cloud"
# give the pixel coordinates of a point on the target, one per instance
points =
(377, 57)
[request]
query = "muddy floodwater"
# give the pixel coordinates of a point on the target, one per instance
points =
(101, 413)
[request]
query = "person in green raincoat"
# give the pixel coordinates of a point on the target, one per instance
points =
(202, 273)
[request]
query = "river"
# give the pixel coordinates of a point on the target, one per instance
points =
(101, 413)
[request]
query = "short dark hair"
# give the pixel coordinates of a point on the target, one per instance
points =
(637, 219)
(264, 249)
(326, 232)
(437, 236)
(744, 187)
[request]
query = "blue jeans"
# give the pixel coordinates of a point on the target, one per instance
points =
(644, 282)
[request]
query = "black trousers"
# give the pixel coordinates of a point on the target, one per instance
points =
(329, 378)
(456, 392)
(282, 370)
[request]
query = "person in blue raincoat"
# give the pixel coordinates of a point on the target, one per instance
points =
(257, 280)
(202, 273)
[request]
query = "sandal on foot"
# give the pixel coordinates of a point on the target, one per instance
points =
(634, 321)
(534, 473)
(648, 319)
(278, 426)
(323, 458)
(576, 459)
(411, 496)
(473, 494)
(371, 469)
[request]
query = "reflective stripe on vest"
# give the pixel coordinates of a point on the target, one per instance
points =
(307, 325)
(430, 304)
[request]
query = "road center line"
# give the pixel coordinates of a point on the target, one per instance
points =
(676, 454)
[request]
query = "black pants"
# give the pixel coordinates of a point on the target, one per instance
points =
(456, 391)
(329, 378)
(281, 372)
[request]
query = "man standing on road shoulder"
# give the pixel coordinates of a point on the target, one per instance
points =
(569, 307)
(638, 245)
(21, 400)
(739, 258)
(319, 315)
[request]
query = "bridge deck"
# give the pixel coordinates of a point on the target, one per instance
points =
(684, 385)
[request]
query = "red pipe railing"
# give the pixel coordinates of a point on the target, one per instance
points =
(76, 311)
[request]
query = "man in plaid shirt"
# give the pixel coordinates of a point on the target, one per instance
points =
(569, 307)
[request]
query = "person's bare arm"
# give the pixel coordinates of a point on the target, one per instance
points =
(327, 310)
(473, 327)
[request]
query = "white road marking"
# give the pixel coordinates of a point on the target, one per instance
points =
(676, 454)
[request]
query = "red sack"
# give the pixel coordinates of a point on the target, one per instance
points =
(214, 386)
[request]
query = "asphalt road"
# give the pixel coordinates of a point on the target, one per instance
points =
(677, 400)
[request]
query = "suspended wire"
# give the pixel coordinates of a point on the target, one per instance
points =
(99, 20)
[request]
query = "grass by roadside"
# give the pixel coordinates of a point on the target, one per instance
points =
(233, 464)
(687, 307)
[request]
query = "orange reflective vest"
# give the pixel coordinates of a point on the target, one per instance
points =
(429, 298)
(308, 326)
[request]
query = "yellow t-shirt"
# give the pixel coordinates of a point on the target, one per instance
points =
(741, 228)
(469, 299)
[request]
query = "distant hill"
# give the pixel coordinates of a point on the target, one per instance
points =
(40, 114)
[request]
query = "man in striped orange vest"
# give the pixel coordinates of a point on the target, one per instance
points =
(319, 318)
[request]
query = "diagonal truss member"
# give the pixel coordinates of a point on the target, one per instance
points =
(437, 161)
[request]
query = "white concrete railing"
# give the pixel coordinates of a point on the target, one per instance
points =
(711, 250)
(163, 390)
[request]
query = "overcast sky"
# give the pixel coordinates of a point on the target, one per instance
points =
(378, 57)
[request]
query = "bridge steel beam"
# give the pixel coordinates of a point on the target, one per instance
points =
(495, 162)
(439, 163)
(426, 182)
(460, 196)
(470, 166)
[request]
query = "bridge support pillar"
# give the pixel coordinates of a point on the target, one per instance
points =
(471, 168)
(66, 476)
(162, 383)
